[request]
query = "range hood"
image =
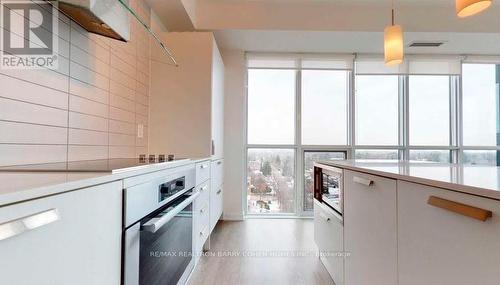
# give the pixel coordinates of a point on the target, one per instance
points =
(108, 18)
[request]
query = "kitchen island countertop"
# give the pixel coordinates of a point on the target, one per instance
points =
(470, 179)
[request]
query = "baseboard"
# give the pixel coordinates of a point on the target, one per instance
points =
(232, 217)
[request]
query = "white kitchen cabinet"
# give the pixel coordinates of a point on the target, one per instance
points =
(216, 192)
(82, 247)
(329, 237)
(187, 102)
(201, 215)
(438, 246)
(202, 171)
(370, 234)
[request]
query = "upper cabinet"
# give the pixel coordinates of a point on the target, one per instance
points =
(187, 102)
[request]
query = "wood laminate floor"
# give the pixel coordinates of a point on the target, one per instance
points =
(291, 241)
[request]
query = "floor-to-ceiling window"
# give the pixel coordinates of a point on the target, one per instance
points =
(271, 140)
(297, 113)
(432, 109)
(481, 106)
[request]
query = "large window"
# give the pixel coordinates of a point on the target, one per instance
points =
(271, 106)
(480, 103)
(324, 107)
(377, 110)
(429, 110)
(481, 111)
(300, 113)
(271, 181)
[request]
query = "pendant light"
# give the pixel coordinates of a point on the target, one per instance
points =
(393, 43)
(466, 8)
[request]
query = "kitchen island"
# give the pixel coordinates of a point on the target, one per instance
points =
(412, 223)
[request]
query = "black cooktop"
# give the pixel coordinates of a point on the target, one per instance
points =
(100, 165)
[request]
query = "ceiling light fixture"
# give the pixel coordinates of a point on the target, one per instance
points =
(466, 8)
(393, 43)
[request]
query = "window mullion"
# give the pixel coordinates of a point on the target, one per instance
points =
(404, 119)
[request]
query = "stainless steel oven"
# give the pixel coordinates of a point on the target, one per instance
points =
(158, 244)
(328, 186)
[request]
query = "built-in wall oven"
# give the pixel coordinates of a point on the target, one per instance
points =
(158, 230)
(328, 186)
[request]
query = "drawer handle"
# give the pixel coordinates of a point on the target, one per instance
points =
(362, 181)
(201, 234)
(203, 188)
(201, 211)
(203, 166)
(219, 162)
(25, 224)
(218, 192)
(459, 208)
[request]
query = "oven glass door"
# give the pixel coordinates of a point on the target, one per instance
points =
(166, 254)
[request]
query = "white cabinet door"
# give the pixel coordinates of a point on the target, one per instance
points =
(216, 196)
(329, 237)
(217, 172)
(217, 103)
(370, 235)
(437, 246)
(82, 247)
(201, 214)
(216, 192)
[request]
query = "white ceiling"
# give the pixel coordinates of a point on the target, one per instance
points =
(172, 14)
(350, 42)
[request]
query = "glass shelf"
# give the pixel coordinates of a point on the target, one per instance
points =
(150, 31)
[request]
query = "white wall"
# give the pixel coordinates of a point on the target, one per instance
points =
(234, 133)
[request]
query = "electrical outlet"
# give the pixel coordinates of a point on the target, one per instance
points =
(140, 131)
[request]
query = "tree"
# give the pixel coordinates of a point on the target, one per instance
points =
(277, 160)
(287, 168)
(266, 168)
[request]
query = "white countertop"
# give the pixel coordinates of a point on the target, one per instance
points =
(16, 187)
(471, 179)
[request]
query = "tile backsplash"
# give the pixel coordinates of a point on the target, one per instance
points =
(89, 108)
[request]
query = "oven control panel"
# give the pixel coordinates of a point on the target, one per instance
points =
(170, 188)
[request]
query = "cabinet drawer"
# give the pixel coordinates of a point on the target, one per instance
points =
(204, 190)
(82, 246)
(201, 238)
(202, 171)
(439, 246)
(329, 237)
(216, 199)
(217, 173)
(370, 233)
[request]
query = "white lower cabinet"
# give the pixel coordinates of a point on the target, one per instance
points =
(438, 246)
(329, 237)
(82, 244)
(201, 215)
(216, 192)
(370, 234)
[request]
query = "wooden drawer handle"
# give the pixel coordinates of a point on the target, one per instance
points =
(363, 181)
(462, 209)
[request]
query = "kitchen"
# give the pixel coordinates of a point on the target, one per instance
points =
(246, 141)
